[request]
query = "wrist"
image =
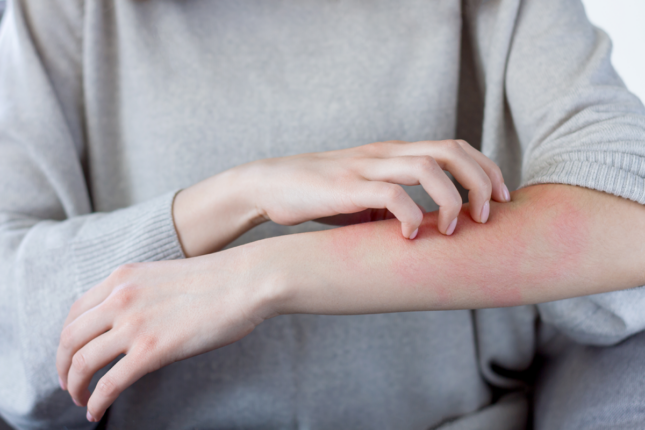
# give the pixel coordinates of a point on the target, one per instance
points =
(267, 268)
(244, 182)
(213, 213)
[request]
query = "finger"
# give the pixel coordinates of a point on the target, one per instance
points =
(75, 335)
(100, 292)
(452, 157)
(382, 195)
(91, 358)
(500, 190)
(415, 170)
(123, 374)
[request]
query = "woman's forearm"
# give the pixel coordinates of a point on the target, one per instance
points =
(552, 242)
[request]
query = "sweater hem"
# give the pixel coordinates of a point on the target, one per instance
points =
(142, 233)
(616, 177)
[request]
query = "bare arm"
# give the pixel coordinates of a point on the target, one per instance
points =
(552, 242)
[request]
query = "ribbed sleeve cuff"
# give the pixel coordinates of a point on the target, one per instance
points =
(144, 232)
(615, 173)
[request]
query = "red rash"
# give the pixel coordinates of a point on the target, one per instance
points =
(346, 243)
(525, 245)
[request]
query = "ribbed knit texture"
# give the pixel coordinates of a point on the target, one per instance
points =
(142, 233)
(619, 174)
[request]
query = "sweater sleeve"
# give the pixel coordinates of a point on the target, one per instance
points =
(577, 124)
(52, 247)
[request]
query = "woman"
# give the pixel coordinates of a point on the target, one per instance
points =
(257, 111)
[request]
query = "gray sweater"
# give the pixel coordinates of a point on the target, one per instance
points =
(107, 108)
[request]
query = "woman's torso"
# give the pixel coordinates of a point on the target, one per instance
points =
(175, 92)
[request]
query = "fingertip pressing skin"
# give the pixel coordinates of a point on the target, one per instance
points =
(506, 193)
(445, 221)
(411, 230)
(451, 227)
(485, 212)
(408, 230)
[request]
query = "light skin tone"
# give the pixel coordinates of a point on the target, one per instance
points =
(551, 242)
(337, 187)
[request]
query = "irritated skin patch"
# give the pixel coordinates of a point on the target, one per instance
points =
(525, 247)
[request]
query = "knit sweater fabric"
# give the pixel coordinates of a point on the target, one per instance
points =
(108, 108)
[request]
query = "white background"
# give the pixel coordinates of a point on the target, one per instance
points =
(624, 21)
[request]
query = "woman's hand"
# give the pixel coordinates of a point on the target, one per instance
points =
(292, 190)
(303, 187)
(158, 313)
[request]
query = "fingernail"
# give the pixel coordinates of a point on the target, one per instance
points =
(507, 195)
(60, 381)
(75, 402)
(485, 212)
(451, 227)
(89, 417)
(414, 234)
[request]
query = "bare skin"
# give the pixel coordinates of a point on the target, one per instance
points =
(341, 187)
(304, 187)
(551, 242)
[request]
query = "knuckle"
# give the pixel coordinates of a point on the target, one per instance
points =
(455, 202)
(132, 325)
(147, 344)
(107, 387)
(375, 147)
(394, 193)
(426, 163)
(462, 142)
(123, 296)
(67, 338)
(417, 218)
(79, 363)
(452, 145)
(485, 184)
